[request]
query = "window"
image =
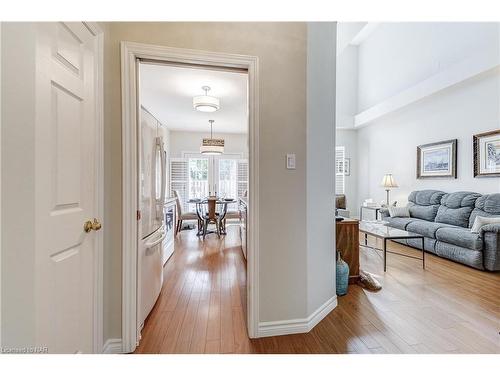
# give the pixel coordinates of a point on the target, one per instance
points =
(197, 176)
(228, 178)
(339, 170)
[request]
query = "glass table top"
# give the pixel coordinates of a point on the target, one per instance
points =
(379, 229)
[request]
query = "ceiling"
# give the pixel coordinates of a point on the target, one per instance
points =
(167, 92)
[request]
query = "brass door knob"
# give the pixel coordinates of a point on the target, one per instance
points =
(92, 225)
(96, 225)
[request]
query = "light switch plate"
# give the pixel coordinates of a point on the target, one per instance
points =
(290, 161)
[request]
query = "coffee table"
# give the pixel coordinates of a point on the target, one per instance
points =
(385, 233)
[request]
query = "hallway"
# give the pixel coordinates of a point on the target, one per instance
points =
(202, 306)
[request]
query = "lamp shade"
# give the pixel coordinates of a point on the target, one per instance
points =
(389, 182)
(212, 146)
(206, 103)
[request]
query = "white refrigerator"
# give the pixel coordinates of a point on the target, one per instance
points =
(152, 218)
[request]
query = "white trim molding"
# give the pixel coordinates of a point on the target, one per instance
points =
(97, 31)
(131, 53)
(112, 346)
(292, 326)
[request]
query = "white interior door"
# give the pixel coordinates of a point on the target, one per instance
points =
(66, 170)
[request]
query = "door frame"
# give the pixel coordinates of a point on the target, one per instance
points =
(130, 53)
(98, 311)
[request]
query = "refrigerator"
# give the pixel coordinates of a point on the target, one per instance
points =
(152, 231)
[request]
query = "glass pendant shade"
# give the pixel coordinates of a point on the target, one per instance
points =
(206, 103)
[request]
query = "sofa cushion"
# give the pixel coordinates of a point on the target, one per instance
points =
(426, 197)
(460, 199)
(424, 204)
(456, 208)
(486, 206)
(398, 222)
(399, 211)
(425, 228)
(462, 237)
(423, 212)
(473, 258)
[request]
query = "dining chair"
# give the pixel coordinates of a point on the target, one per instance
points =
(221, 208)
(211, 217)
(230, 214)
(181, 214)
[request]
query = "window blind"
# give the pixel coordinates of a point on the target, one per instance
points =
(179, 178)
(242, 177)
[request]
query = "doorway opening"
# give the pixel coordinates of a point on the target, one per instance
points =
(159, 86)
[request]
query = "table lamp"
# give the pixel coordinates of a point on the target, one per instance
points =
(388, 182)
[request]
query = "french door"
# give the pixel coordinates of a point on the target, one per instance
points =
(213, 175)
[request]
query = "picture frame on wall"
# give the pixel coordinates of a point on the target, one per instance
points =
(437, 160)
(486, 148)
(347, 166)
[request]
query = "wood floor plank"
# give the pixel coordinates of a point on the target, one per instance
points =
(446, 308)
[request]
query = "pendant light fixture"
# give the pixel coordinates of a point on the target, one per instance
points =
(206, 103)
(212, 146)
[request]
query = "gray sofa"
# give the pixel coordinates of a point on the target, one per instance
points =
(445, 221)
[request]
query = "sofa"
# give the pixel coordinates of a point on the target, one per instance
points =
(446, 219)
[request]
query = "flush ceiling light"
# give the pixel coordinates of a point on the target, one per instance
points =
(206, 103)
(212, 146)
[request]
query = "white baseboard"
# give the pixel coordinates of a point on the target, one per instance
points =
(112, 346)
(287, 327)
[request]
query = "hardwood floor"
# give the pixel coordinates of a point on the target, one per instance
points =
(448, 308)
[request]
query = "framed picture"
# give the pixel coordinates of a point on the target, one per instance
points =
(347, 166)
(438, 159)
(487, 154)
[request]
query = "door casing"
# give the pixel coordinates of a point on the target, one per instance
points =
(131, 52)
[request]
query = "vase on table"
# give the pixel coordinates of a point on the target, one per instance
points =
(342, 275)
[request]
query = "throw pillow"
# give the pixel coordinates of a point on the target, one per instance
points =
(483, 220)
(399, 211)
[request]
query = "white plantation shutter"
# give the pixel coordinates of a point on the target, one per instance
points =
(242, 177)
(339, 170)
(179, 178)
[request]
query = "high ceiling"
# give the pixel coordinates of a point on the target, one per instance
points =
(167, 92)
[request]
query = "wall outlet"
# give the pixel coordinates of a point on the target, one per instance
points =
(290, 161)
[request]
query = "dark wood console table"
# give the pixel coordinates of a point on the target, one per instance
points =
(347, 241)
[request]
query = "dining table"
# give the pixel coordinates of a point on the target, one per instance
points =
(201, 209)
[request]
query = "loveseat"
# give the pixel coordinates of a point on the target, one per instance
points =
(446, 221)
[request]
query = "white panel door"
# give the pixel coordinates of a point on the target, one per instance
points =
(66, 185)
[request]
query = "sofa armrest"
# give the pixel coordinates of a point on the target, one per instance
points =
(490, 228)
(384, 212)
(491, 246)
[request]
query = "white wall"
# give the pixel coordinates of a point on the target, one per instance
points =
(190, 142)
(347, 87)
(389, 146)
(320, 139)
(397, 56)
(281, 48)
(18, 197)
(349, 139)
